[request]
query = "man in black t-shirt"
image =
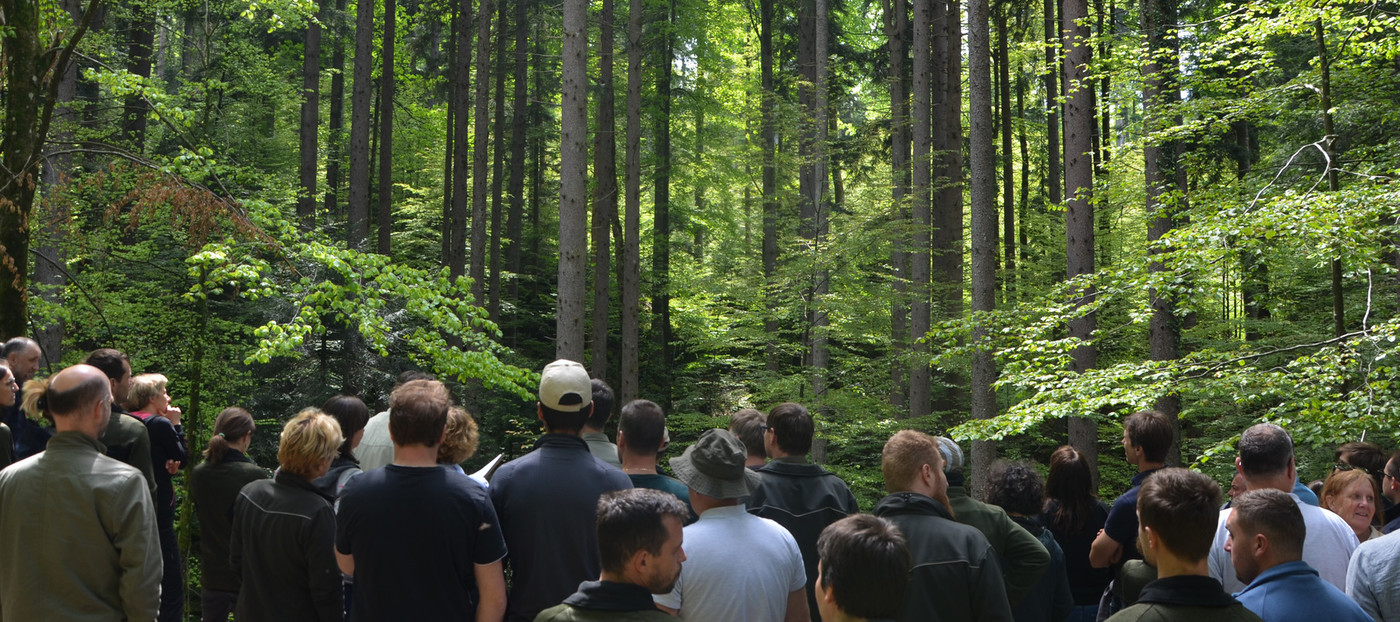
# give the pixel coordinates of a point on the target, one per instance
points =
(422, 542)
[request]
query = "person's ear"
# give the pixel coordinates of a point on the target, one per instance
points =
(1238, 469)
(621, 440)
(1261, 545)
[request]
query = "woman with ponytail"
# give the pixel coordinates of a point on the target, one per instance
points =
(214, 486)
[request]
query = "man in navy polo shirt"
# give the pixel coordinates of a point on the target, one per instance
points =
(1147, 435)
(547, 499)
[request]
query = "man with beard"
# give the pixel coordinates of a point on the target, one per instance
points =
(639, 538)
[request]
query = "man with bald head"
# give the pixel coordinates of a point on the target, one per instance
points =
(77, 529)
(22, 357)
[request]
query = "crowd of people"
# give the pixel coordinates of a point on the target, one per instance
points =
(372, 518)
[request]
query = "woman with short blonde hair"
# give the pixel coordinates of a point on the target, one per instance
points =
(459, 438)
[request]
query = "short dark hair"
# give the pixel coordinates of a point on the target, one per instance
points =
(108, 360)
(559, 421)
(792, 428)
(1368, 457)
(1275, 514)
(1183, 508)
(1265, 449)
(1394, 462)
(418, 412)
(865, 562)
(406, 377)
(1016, 487)
(747, 425)
(602, 404)
(1152, 431)
(644, 425)
(16, 344)
(632, 520)
(351, 413)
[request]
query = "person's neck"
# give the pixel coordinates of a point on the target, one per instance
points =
(1169, 565)
(574, 433)
(1144, 466)
(415, 455)
(633, 464)
(613, 577)
(755, 461)
(588, 429)
(1276, 482)
(702, 503)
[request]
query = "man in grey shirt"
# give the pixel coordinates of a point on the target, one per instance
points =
(1373, 576)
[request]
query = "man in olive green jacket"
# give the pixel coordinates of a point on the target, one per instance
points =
(639, 540)
(77, 529)
(1022, 555)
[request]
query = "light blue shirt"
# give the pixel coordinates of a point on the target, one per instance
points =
(1293, 592)
(1373, 577)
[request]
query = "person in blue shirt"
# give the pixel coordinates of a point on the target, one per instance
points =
(1266, 548)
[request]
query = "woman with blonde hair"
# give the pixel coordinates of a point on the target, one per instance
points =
(1352, 494)
(283, 541)
(214, 486)
(149, 401)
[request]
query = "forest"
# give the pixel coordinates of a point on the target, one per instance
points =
(1006, 221)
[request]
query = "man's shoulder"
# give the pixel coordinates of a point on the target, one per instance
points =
(1162, 612)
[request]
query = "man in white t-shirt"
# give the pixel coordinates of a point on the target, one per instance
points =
(739, 567)
(1266, 461)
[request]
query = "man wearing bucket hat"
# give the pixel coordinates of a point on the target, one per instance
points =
(547, 499)
(739, 567)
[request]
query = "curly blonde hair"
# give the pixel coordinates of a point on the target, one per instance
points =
(461, 437)
(310, 439)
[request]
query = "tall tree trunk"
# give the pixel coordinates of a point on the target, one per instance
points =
(461, 125)
(982, 160)
(1339, 326)
(770, 183)
(821, 356)
(697, 225)
(336, 124)
(1023, 205)
(1008, 174)
(481, 141)
(1052, 105)
(498, 154)
(947, 236)
(1079, 210)
(357, 227)
(604, 190)
(310, 122)
(520, 108)
(573, 175)
(896, 30)
(661, 228)
(385, 224)
(1160, 162)
(139, 55)
(630, 292)
(920, 265)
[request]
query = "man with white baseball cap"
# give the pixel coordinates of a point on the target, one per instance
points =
(739, 567)
(547, 499)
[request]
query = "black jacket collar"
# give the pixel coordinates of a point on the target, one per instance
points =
(1192, 590)
(911, 503)
(609, 596)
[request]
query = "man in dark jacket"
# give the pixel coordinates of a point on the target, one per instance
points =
(1177, 510)
(547, 499)
(800, 496)
(956, 575)
(639, 538)
(126, 438)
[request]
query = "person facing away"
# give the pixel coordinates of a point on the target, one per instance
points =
(21, 356)
(802, 497)
(1075, 515)
(1176, 521)
(1266, 461)
(1266, 549)
(862, 569)
(1373, 577)
(640, 540)
(77, 529)
(126, 437)
(376, 449)
(214, 487)
(592, 433)
(546, 500)
(352, 414)
(1023, 558)
(1016, 488)
(421, 541)
(955, 575)
(641, 436)
(1147, 436)
(282, 545)
(149, 401)
(749, 426)
(740, 567)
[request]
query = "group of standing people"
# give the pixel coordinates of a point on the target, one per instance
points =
(371, 518)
